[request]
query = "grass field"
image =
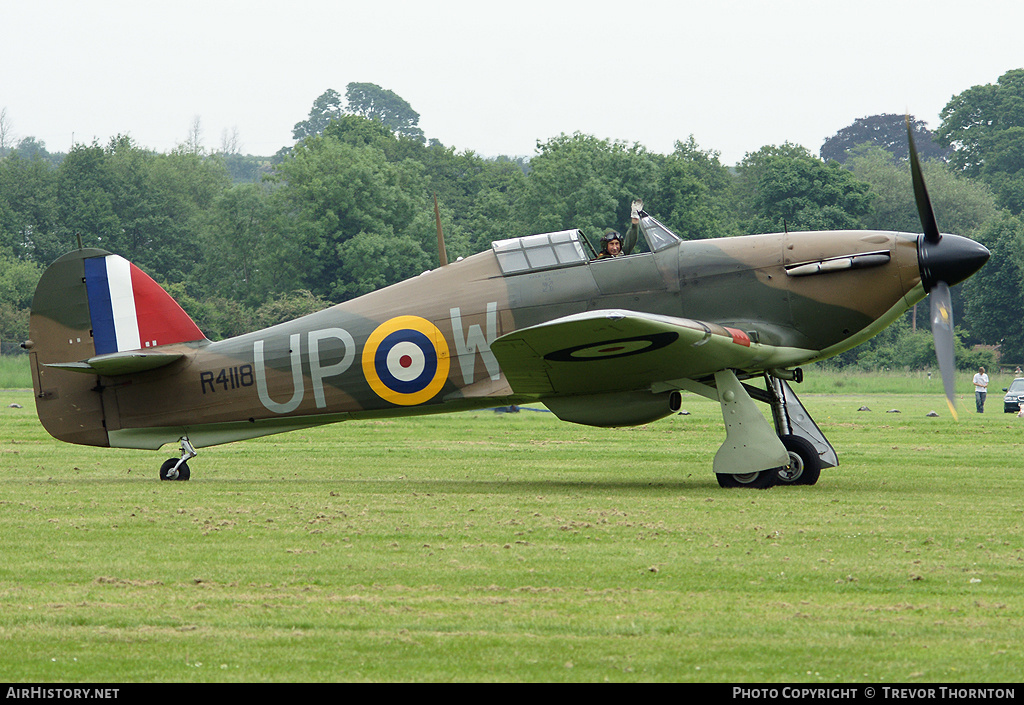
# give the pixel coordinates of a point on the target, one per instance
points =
(486, 546)
(514, 547)
(14, 372)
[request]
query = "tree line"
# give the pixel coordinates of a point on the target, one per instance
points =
(244, 242)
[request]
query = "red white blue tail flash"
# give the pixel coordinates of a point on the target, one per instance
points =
(130, 311)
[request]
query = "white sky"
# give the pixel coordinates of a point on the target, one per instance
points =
(495, 77)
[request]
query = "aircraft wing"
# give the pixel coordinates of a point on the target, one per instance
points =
(617, 350)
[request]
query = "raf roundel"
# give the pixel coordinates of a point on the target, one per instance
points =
(622, 347)
(406, 360)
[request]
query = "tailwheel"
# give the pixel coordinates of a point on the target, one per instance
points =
(177, 468)
(804, 462)
(168, 472)
(756, 480)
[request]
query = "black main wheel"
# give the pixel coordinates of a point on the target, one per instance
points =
(756, 480)
(804, 462)
(183, 471)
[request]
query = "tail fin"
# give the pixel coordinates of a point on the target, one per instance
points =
(129, 310)
(96, 313)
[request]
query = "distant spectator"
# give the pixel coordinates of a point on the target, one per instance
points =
(980, 389)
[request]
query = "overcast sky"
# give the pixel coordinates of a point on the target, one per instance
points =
(496, 77)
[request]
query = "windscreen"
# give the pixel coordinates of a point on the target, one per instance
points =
(658, 237)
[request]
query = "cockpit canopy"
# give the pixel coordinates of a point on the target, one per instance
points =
(538, 252)
(570, 248)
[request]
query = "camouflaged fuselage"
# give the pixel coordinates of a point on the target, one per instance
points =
(424, 345)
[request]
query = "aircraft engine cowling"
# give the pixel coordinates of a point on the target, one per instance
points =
(614, 408)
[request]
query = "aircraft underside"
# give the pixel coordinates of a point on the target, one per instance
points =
(755, 453)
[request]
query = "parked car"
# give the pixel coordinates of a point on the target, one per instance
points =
(1014, 396)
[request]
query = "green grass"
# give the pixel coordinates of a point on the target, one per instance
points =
(15, 372)
(487, 547)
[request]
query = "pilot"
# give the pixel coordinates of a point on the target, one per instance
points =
(612, 243)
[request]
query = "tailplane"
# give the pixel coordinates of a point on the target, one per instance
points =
(96, 314)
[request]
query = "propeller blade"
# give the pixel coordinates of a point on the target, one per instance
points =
(942, 332)
(924, 204)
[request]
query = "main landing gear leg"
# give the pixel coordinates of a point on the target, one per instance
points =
(177, 468)
(752, 452)
(809, 450)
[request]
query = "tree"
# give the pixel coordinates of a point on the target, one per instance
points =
(985, 127)
(888, 131)
(325, 108)
(371, 101)
(18, 279)
(6, 133)
(580, 181)
(367, 100)
(194, 142)
(370, 261)
(337, 191)
(693, 191)
(28, 209)
(237, 252)
(244, 168)
(31, 148)
(961, 205)
(995, 295)
(360, 131)
(477, 194)
(903, 348)
(789, 187)
(481, 198)
(230, 142)
(1003, 169)
(136, 203)
(288, 307)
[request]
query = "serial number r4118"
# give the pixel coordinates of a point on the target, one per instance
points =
(227, 378)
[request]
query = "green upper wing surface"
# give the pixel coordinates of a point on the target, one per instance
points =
(618, 350)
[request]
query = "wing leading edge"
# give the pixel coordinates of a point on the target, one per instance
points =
(617, 350)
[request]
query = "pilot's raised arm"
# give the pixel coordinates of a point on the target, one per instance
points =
(634, 227)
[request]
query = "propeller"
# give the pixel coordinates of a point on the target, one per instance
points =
(942, 333)
(943, 260)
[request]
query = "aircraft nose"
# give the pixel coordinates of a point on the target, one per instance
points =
(952, 259)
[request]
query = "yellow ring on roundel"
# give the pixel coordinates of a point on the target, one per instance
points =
(426, 337)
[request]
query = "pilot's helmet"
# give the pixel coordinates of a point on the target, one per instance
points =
(611, 235)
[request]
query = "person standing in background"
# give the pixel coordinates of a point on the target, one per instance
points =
(980, 389)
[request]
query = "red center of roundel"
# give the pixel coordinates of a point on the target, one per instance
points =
(405, 361)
